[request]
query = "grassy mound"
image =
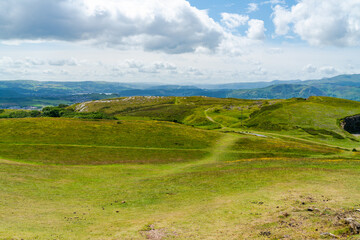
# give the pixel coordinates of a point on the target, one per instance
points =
(315, 113)
(71, 141)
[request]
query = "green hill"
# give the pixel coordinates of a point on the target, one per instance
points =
(278, 91)
(182, 168)
(66, 141)
(311, 118)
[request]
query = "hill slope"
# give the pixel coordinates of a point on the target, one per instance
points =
(68, 141)
(268, 169)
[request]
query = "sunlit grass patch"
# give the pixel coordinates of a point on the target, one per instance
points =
(97, 155)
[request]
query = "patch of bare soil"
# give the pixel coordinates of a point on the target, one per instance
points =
(153, 233)
(311, 217)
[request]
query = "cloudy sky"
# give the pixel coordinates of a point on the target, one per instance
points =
(178, 41)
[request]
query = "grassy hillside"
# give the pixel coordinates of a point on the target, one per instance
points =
(278, 91)
(313, 118)
(187, 110)
(278, 169)
(218, 197)
(66, 141)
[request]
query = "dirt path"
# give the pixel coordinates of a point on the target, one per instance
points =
(221, 146)
(307, 141)
(211, 119)
(9, 162)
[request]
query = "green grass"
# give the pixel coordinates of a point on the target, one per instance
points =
(69, 141)
(316, 118)
(135, 178)
(97, 155)
(104, 133)
(211, 201)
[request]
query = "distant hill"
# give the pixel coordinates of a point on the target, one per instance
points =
(27, 93)
(343, 86)
(278, 91)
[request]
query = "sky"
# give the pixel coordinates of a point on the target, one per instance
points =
(178, 41)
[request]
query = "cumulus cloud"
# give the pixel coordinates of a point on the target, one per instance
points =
(258, 71)
(310, 68)
(319, 22)
(256, 29)
(155, 67)
(325, 70)
(232, 20)
(171, 27)
(20, 63)
(328, 70)
(273, 2)
(63, 62)
(252, 7)
(34, 61)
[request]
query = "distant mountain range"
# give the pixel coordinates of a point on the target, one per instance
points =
(35, 94)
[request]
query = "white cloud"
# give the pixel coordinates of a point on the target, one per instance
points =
(252, 7)
(325, 70)
(310, 68)
(34, 61)
(273, 2)
(258, 71)
(232, 20)
(256, 29)
(319, 22)
(171, 27)
(155, 67)
(328, 70)
(63, 62)
(275, 50)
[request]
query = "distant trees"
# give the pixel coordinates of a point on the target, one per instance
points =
(56, 111)
(51, 112)
(35, 113)
(61, 110)
(19, 114)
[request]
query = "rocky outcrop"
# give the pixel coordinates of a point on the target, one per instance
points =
(351, 124)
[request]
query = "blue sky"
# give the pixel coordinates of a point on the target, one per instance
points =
(178, 41)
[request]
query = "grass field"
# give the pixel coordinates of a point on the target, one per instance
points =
(68, 141)
(138, 178)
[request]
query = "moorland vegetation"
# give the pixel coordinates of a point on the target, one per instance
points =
(181, 168)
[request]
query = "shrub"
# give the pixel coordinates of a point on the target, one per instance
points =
(19, 114)
(51, 112)
(35, 113)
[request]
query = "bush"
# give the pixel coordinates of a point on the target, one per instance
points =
(63, 106)
(35, 113)
(51, 112)
(19, 114)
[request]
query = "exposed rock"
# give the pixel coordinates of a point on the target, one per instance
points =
(265, 234)
(351, 124)
(354, 225)
(312, 209)
(326, 234)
